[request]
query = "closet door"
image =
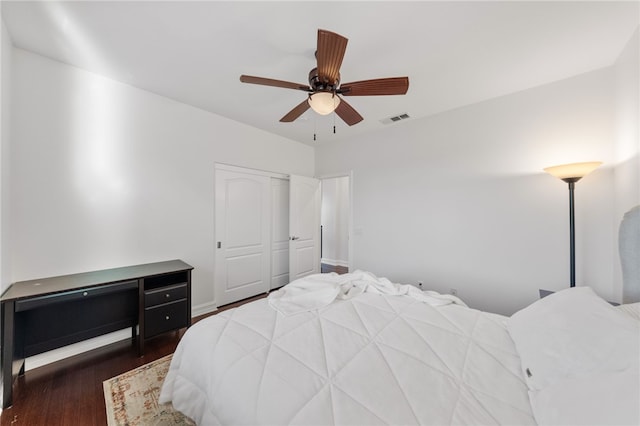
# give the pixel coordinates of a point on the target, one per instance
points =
(242, 227)
(304, 226)
(279, 232)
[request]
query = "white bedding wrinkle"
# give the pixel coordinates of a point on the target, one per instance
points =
(319, 290)
(631, 309)
(375, 358)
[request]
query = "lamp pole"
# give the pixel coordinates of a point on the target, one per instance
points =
(572, 234)
(571, 173)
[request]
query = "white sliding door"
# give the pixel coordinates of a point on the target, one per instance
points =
(304, 226)
(243, 228)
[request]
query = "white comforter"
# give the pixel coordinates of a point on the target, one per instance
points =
(371, 359)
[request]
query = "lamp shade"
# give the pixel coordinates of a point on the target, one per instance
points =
(324, 102)
(572, 172)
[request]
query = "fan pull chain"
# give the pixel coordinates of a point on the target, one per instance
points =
(315, 122)
(334, 113)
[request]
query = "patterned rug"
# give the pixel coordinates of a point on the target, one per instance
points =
(132, 398)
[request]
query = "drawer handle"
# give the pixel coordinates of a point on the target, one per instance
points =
(85, 293)
(167, 295)
(167, 317)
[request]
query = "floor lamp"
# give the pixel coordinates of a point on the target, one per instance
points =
(571, 173)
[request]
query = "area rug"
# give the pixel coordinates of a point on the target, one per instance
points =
(132, 398)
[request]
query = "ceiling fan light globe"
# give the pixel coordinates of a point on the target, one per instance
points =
(324, 103)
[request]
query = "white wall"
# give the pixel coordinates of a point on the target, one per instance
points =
(107, 175)
(335, 221)
(6, 50)
(459, 200)
(627, 140)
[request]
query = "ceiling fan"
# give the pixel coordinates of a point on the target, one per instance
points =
(324, 86)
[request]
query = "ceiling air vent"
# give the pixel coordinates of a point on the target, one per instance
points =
(395, 118)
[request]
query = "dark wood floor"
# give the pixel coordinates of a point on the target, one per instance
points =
(69, 392)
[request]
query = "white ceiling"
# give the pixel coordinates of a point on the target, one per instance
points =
(455, 53)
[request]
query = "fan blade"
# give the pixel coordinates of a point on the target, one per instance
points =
(296, 112)
(329, 54)
(274, 83)
(380, 86)
(347, 113)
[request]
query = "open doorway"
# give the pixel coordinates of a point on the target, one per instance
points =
(334, 221)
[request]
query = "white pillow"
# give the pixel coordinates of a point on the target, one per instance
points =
(600, 399)
(571, 334)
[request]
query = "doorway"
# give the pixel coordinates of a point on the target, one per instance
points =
(335, 224)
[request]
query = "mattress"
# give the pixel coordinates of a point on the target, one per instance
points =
(371, 359)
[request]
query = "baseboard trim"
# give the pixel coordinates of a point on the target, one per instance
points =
(204, 308)
(49, 357)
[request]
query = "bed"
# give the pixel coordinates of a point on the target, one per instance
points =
(357, 349)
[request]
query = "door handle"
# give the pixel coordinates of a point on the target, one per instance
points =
(294, 238)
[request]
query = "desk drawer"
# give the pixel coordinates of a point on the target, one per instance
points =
(165, 295)
(73, 295)
(167, 317)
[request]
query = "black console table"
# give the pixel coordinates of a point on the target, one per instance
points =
(45, 314)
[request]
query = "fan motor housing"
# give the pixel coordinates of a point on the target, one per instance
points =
(321, 86)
